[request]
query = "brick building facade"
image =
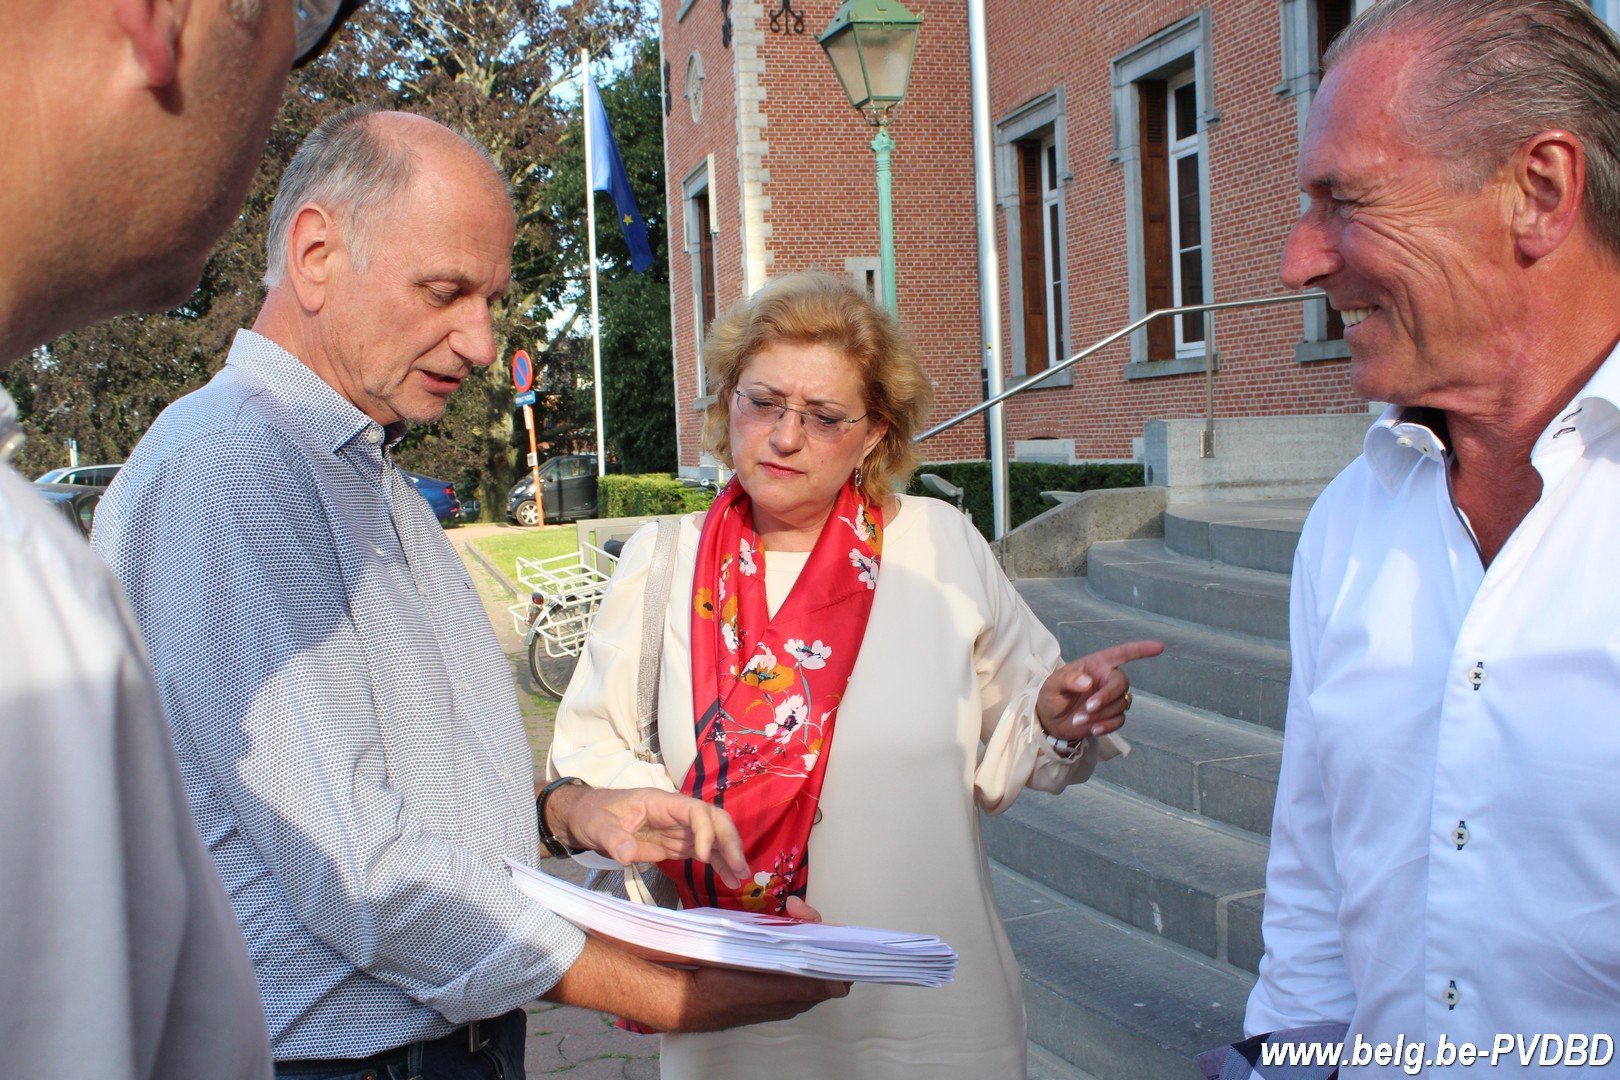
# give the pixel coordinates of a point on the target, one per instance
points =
(1144, 158)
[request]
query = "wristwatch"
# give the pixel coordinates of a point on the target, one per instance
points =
(556, 847)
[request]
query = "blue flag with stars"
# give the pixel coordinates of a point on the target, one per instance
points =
(608, 174)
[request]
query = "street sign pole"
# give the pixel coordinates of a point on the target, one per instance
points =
(523, 383)
(534, 468)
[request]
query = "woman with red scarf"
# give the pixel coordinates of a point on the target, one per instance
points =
(849, 674)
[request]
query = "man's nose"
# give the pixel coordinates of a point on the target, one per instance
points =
(1310, 254)
(474, 339)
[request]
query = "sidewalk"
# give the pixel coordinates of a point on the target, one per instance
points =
(583, 1045)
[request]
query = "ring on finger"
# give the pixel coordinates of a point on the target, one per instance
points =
(1127, 701)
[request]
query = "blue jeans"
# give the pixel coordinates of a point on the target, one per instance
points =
(452, 1057)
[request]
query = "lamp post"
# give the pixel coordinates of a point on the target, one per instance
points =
(870, 44)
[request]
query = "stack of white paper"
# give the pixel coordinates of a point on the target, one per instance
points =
(743, 939)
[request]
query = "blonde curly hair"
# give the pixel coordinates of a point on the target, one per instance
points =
(820, 309)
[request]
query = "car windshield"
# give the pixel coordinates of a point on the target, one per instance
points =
(52, 477)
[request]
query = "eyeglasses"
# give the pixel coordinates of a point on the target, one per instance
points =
(315, 23)
(819, 425)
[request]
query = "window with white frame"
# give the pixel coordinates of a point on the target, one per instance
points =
(1187, 232)
(1162, 112)
(700, 235)
(1032, 175)
(1608, 11)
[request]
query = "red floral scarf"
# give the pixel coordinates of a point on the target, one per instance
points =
(765, 691)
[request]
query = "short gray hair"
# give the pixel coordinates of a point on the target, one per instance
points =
(345, 166)
(351, 168)
(1501, 71)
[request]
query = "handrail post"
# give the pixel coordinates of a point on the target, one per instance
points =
(1206, 446)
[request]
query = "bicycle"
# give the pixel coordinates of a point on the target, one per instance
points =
(565, 594)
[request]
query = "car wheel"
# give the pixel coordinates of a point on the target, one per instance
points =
(527, 513)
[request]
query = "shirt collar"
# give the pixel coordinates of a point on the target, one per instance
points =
(328, 414)
(1404, 437)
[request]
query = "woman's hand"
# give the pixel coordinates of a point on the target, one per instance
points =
(1089, 696)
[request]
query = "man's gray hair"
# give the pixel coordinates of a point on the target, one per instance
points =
(1497, 72)
(351, 169)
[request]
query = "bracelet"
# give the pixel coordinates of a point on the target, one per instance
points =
(554, 846)
(1065, 748)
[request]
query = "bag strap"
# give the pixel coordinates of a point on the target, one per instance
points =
(660, 578)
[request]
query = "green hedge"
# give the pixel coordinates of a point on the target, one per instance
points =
(647, 494)
(1026, 480)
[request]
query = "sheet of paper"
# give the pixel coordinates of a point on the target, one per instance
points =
(748, 940)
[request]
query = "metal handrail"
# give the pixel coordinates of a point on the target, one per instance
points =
(1209, 366)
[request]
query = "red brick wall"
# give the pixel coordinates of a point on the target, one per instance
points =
(1252, 201)
(823, 189)
(686, 144)
(823, 207)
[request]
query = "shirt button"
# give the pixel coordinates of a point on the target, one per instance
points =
(1476, 674)
(374, 436)
(1404, 441)
(1460, 835)
(1451, 997)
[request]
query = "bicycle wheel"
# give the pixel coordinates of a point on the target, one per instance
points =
(550, 672)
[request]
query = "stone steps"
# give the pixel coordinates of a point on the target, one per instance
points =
(1149, 576)
(1116, 1001)
(1165, 873)
(1134, 901)
(1200, 763)
(1218, 671)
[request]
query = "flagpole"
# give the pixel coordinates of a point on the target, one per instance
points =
(590, 232)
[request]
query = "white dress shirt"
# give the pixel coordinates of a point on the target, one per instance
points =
(1445, 854)
(120, 958)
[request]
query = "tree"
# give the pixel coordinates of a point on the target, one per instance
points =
(491, 68)
(638, 377)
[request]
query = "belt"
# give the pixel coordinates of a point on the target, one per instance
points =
(471, 1038)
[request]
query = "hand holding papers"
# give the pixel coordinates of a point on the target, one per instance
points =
(746, 940)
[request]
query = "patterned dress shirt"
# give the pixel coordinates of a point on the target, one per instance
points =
(346, 723)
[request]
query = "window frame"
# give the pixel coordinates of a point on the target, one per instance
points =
(1041, 121)
(1184, 45)
(697, 202)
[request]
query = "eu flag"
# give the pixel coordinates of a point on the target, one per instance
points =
(607, 170)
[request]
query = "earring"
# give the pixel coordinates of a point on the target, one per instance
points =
(858, 477)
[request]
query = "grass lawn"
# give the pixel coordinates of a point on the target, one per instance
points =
(505, 547)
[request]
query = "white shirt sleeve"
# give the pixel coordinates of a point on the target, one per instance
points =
(120, 952)
(1303, 976)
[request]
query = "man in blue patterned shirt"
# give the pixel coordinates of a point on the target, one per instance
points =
(348, 732)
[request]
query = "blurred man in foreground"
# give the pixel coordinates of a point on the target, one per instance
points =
(131, 130)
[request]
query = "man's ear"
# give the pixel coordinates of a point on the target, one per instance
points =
(153, 29)
(314, 244)
(1549, 172)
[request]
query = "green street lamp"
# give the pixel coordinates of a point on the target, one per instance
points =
(870, 44)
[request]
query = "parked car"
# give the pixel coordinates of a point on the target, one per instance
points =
(439, 495)
(77, 502)
(95, 476)
(567, 492)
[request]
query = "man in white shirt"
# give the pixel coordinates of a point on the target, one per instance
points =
(130, 131)
(1445, 858)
